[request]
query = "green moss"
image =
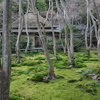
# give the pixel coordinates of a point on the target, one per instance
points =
(15, 65)
(80, 65)
(85, 59)
(79, 60)
(38, 77)
(57, 89)
(93, 59)
(40, 58)
(32, 63)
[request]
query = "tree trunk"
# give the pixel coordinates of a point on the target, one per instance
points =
(54, 38)
(19, 31)
(98, 34)
(88, 44)
(6, 50)
(2, 83)
(71, 47)
(28, 39)
(51, 74)
(98, 48)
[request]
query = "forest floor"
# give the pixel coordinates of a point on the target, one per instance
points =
(72, 84)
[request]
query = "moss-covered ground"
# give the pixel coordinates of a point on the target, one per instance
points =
(74, 86)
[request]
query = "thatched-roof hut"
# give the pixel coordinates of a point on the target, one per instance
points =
(32, 28)
(31, 21)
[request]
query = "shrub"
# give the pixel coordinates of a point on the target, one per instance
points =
(28, 63)
(31, 53)
(85, 59)
(59, 58)
(79, 60)
(80, 65)
(46, 81)
(32, 68)
(59, 77)
(23, 42)
(15, 65)
(86, 88)
(75, 80)
(14, 97)
(39, 62)
(86, 72)
(21, 72)
(93, 59)
(42, 68)
(61, 64)
(78, 42)
(36, 69)
(95, 84)
(63, 67)
(38, 77)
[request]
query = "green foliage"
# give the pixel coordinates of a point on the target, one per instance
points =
(15, 65)
(37, 69)
(79, 60)
(86, 88)
(18, 73)
(21, 72)
(15, 7)
(61, 63)
(40, 58)
(78, 42)
(14, 97)
(38, 77)
(80, 65)
(58, 88)
(75, 80)
(59, 77)
(62, 67)
(85, 59)
(46, 81)
(41, 5)
(31, 63)
(95, 84)
(23, 42)
(73, 28)
(86, 72)
(93, 59)
(31, 53)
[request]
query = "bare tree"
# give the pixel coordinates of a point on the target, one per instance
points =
(51, 74)
(88, 32)
(27, 47)
(64, 13)
(98, 29)
(6, 51)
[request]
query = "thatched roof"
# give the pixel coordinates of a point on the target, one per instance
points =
(31, 21)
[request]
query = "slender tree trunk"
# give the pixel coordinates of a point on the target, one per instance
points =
(71, 47)
(98, 48)
(28, 39)
(98, 35)
(6, 51)
(51, 74)
(88, 44)
(19, 31)
(54, 38)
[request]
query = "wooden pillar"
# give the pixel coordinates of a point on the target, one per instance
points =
(33, 43)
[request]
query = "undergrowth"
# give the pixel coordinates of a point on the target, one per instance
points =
(27, 78)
